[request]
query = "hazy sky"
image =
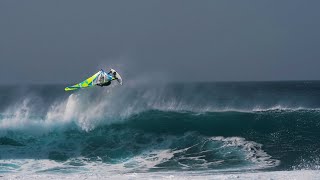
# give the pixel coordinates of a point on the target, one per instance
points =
(200, 40)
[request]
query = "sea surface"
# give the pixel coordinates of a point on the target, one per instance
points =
(218, 130)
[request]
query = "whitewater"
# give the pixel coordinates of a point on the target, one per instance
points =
(218, 130)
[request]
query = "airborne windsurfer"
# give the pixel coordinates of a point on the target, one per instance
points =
(112, 75)
(101, 78)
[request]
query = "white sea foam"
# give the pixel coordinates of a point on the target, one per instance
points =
(84, 109)
(281, 175)
(254, 152)
(248, 155)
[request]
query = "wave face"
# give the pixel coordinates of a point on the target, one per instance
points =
(150, 128)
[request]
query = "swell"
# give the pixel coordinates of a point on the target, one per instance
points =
(182, 126)
(290, 136)
(155, 140)
(287, 135)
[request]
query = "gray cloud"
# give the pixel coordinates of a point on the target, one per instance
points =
(66, 41)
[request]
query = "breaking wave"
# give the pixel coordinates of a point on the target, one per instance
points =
(187, 127)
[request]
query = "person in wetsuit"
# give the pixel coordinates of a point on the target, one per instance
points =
(111, 76)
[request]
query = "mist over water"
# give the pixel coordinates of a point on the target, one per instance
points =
(193, 127)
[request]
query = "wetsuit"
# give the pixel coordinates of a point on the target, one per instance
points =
(104, 84)
(110, 78)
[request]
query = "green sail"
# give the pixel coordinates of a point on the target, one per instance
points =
(84, 84)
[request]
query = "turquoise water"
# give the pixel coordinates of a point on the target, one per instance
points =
(202, 127)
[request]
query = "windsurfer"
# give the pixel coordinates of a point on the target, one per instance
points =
(112, 75)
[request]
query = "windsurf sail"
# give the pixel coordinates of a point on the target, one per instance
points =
(98, 78)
